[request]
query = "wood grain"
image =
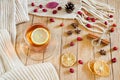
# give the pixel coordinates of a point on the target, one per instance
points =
(115, 40)
(54, 48)
(85, 53)
(64, 72)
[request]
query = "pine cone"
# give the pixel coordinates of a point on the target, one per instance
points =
(69, 7)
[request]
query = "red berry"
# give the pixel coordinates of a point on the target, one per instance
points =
(93, 19)
(54, 12)
(59, 8)
(62, 24)
(52, 20)
(79, 12)
(44, 10)
(115, 48)
(40, 6)
(80, 61)
(32, 4)
(79, 39)
(111, 16)
(88, 18)
(112, 30)
(105, 23)
(71, 70)
(114, 25)
(35, 10)
(71, 43)
(88, 25)
(113, 60)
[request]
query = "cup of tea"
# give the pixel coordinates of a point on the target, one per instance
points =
(37, 37)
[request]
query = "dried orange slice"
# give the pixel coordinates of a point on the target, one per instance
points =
(68, 59)
(91, 66)
(40, 36)
(101, 68)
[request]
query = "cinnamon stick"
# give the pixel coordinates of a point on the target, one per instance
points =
(93, 36)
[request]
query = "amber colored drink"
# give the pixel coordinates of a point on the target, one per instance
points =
(28, 37)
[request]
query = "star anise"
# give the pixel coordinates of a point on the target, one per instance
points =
(74, 25)
(77, 31)
(102, 52)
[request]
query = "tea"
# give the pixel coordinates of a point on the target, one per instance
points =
(37, 36)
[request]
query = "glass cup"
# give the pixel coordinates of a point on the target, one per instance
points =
(28, 50)
(27, 37)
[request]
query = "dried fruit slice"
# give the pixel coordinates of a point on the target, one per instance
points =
(40, 36)
(68, 59)
(91, 66)
(101, 68)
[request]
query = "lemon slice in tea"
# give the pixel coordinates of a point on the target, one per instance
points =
(101, 68)
(68, 59)
(40, 36)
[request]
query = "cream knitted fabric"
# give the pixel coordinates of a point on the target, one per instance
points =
(44, 71)
(7, 17)
(2, 69)
(15, 70)
(12, 11)
(7, 52)
(21, 11)
(25, 6)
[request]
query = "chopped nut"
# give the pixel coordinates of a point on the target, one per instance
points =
(102, 52)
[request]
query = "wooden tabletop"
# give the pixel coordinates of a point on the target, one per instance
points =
(82, 49)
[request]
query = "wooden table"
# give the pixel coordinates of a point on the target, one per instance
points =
(83, 49)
